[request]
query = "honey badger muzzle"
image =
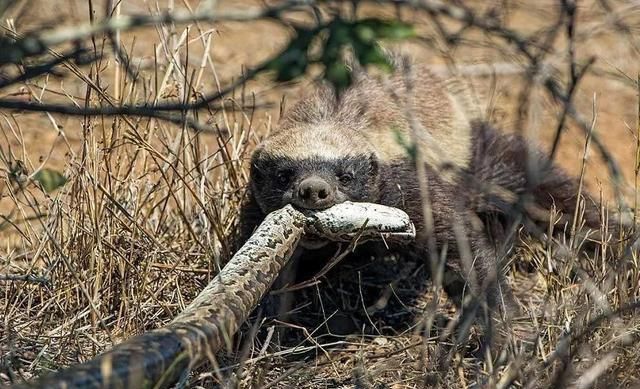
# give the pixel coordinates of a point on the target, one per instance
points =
(314, 192)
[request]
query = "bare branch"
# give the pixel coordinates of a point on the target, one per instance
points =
(37, 44)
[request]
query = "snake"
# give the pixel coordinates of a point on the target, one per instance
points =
(165, 356)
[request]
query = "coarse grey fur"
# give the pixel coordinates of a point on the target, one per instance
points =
(328, 149)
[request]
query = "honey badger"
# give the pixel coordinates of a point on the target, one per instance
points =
(357, 147)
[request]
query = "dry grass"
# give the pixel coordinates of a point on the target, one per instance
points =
(144, 220)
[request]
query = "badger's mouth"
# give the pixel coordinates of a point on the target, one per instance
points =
(312, 242)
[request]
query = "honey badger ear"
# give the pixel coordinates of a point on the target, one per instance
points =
(256, 152)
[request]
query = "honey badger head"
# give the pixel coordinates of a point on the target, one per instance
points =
(314, 160)
(312, 173)
(330, 149)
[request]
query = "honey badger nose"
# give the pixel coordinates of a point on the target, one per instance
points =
(314, 193)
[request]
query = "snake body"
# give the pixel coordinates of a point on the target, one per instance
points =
(161, 357)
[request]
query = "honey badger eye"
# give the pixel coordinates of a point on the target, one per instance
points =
(345, 178)
(283, 177)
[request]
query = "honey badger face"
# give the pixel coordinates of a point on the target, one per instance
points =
(315, 182)
(312, 183)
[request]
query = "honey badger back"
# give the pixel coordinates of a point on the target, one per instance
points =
(329, 149)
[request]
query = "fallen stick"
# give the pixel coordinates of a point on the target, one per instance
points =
(164, 356)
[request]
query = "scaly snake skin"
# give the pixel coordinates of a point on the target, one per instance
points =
(161, 357)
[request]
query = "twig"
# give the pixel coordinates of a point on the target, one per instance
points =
(25, 278)
(37, 44)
